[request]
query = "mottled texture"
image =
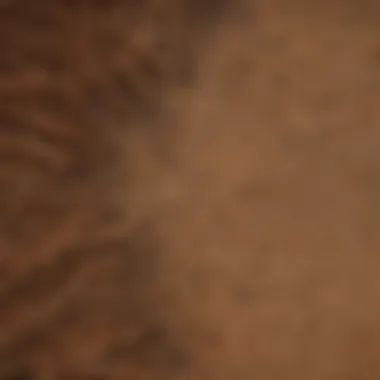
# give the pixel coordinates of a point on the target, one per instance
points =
(211, 208)
(78, 283)
(274, 245)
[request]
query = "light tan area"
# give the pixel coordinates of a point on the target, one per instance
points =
(270, 210)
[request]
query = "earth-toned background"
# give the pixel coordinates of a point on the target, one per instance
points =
(269, 199)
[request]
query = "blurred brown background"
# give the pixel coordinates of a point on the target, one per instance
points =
(269, 204)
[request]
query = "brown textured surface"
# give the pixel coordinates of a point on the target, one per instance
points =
(273, 231)
(264, 195)
(78, 266)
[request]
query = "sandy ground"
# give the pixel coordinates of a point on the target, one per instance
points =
(269, 206)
